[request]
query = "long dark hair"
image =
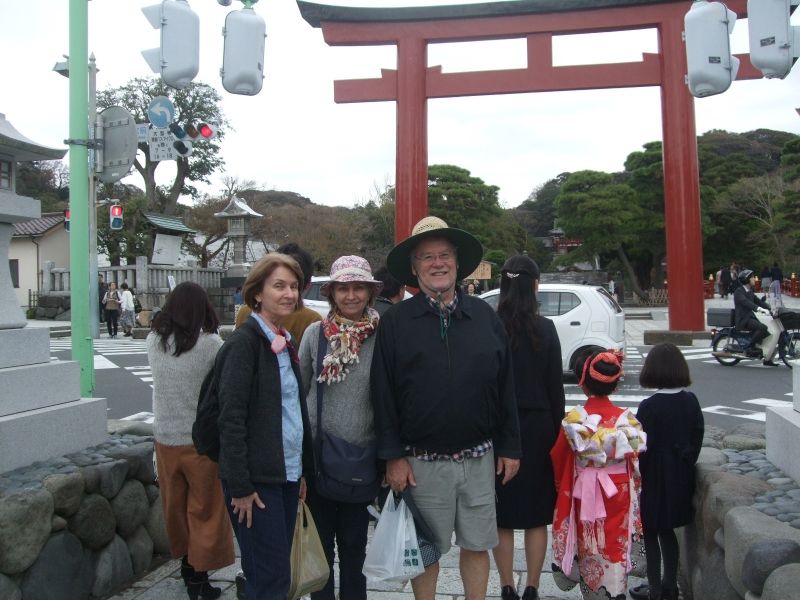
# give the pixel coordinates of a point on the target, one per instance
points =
(518, 306)
(186, 313)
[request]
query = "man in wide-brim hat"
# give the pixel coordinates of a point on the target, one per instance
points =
(443, 393)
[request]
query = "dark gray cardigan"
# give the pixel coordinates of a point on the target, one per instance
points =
(250, 422)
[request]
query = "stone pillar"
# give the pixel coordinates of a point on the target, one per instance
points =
(783, 432)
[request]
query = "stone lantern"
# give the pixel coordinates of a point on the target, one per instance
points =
(41, 412)
(238, 214)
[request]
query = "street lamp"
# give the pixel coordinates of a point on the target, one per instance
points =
(95, 158)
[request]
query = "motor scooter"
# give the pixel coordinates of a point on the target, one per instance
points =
(731, 346)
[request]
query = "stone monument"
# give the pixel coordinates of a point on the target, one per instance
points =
(41, 412)
(238, 215)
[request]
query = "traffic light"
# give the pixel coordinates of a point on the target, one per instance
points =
(182, 143)
(178, 57)
(711, 66)
(774, 43)
(115, 217)
(243, 54)
(66, 220)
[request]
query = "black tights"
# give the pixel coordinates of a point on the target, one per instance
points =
(660, 545)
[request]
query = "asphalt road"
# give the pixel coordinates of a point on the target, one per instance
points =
(729, 396)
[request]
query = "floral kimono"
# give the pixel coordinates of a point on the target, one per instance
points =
(596, 465)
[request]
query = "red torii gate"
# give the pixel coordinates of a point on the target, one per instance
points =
(413, 82)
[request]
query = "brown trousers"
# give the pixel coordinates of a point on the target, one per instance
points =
(194, 508)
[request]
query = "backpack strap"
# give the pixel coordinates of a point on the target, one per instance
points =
(320, 390)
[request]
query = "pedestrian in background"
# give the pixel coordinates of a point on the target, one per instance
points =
(349, 340)
(766, 279)
(392, 292)
(725, 282)
(102, 288)
(128, 310)
(111, 304)
(674, 425)
(527, 501)
(181, 349)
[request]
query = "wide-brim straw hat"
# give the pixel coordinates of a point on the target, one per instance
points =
(470, 251)
(350, 269)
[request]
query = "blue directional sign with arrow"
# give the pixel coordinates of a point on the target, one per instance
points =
(161, 111)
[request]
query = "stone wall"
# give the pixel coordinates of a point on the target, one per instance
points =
(83, 525)
(745, 540)
(56, 307)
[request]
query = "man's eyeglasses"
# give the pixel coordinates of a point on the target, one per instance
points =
(429, 258)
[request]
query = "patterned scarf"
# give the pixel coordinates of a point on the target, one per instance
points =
(344, 339)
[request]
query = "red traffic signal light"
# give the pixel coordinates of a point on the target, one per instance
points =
(207, 131)
(115, 217)
(66, 219)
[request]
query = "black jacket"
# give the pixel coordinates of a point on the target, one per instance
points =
(674, 427)
(250, 414)
(745, 302)
(538, 374)
(443, 394)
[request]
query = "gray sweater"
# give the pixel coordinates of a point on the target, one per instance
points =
(176, 385)
(346, 405)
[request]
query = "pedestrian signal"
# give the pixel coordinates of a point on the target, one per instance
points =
(115, 217)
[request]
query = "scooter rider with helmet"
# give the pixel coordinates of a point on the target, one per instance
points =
(745, 303)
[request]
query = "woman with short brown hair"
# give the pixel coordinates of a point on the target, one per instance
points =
(265, 447)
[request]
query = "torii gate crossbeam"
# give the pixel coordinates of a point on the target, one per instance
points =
(537, 21)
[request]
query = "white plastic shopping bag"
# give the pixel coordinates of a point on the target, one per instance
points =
(393, 554)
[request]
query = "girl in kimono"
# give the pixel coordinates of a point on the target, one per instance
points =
(595, 461)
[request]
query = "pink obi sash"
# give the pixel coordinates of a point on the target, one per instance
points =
(590, 486)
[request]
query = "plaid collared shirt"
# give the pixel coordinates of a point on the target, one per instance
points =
(474, 452)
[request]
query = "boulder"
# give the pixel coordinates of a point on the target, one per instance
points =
(130, 507)
(140, 460)
(727, 491)
(63, 571)
(743, 442)
(782, 584)
(94, 523)
(58, 524)
(153, 493)
(67, 491)
(8, 589)
(711, 456)
(25, 524)
(112, 476)
(763, 558)
(112, 568)
(710, 580)
(744, 527)
(91, 479)
(157, 529)
(140, 547)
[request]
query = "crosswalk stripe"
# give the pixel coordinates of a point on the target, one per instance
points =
(768, 402)
(731, 411)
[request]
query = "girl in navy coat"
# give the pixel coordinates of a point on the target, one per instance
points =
(673, 422)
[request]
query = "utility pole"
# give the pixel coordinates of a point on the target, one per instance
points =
(96, 130)
(82, 348)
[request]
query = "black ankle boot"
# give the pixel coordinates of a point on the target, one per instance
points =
(200, 589)
(509, 593)
(187, 572)
(530, 593)
(241, 582)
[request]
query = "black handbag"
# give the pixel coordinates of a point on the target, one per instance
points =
(344, 471)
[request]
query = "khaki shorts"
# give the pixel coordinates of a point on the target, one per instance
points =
(457, 496)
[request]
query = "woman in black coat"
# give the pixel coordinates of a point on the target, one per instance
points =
(527, 501)
(674, 425)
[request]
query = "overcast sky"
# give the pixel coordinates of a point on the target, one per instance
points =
(292, 136)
